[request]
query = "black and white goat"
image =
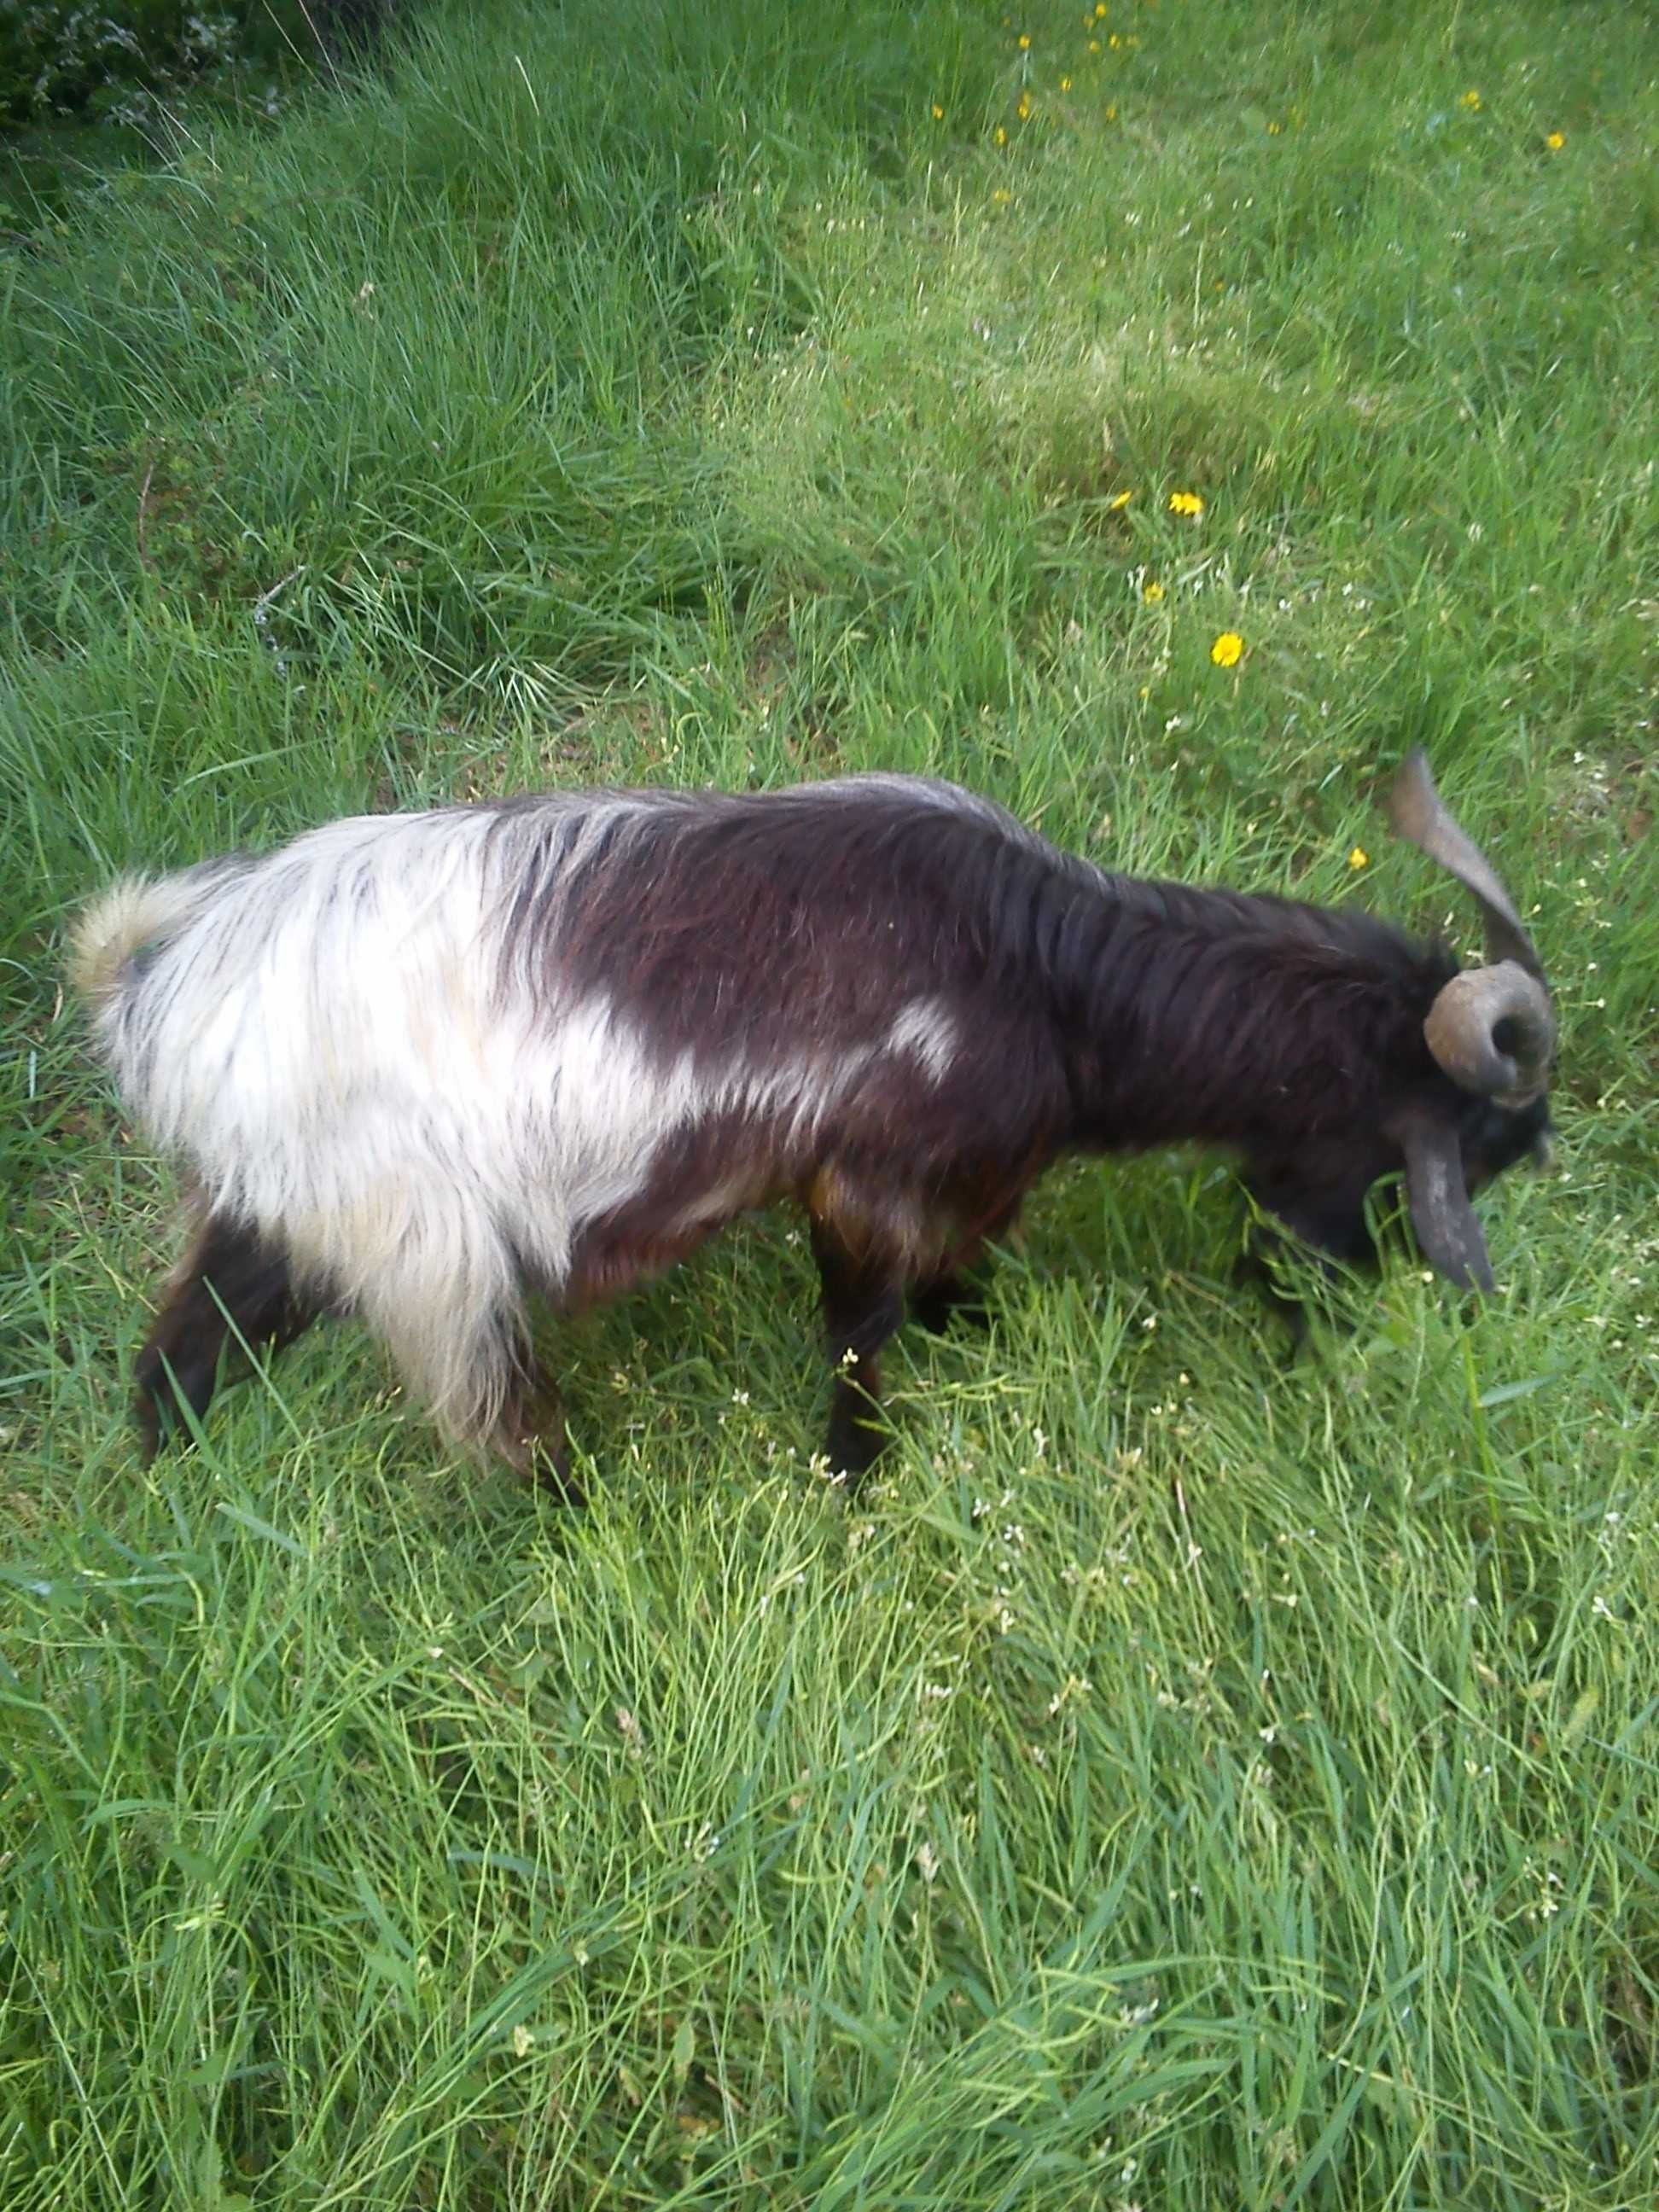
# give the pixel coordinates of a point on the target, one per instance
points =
(421, 1066)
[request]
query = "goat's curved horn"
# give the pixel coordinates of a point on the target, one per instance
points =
(1419, 815)
(1511, 989)
(1461, 1031)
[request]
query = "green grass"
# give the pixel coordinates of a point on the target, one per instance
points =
(1190, 1779)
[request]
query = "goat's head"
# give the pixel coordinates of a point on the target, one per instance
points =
(1492, 1032)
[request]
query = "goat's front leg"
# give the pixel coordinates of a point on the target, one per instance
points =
(959, 1287)
(1326, 1221)
(863, 1305)
(936, 1303)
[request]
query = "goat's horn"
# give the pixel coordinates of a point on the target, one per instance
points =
(1510, 988)
(1418, 814)
(1461, 1030)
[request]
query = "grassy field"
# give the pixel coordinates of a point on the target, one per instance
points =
(1190, 1779)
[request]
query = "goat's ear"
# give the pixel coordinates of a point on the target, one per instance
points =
(1448, 1233)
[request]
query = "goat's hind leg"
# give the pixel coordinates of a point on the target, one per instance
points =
(232, 1296)
(531, 1434)
(463, 1348)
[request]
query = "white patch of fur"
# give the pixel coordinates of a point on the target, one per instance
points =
(928, 1031)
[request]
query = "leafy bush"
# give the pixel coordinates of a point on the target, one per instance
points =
(109, 58)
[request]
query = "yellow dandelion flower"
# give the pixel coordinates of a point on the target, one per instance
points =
(1472, 100)
(1065, 84)
(1024, 111)
(1100, 11)
(1001, 197)
(1556, 141)
(1114, 41)
(1228, 650)
(1360, 858)
(1111, 114)
(1274, 128)
(1119, 500)
(1185, 502)
(1000, 136)
(1152, 593)
(1094, 46)
(1024, 41)
(938, 113)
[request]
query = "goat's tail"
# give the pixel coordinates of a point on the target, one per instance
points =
(122, 920)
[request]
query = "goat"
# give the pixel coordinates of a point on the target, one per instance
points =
(421, 1066)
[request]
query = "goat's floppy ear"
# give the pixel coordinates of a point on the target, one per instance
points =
(1448, 1233)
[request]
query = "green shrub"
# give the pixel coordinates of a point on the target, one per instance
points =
(112, 57)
